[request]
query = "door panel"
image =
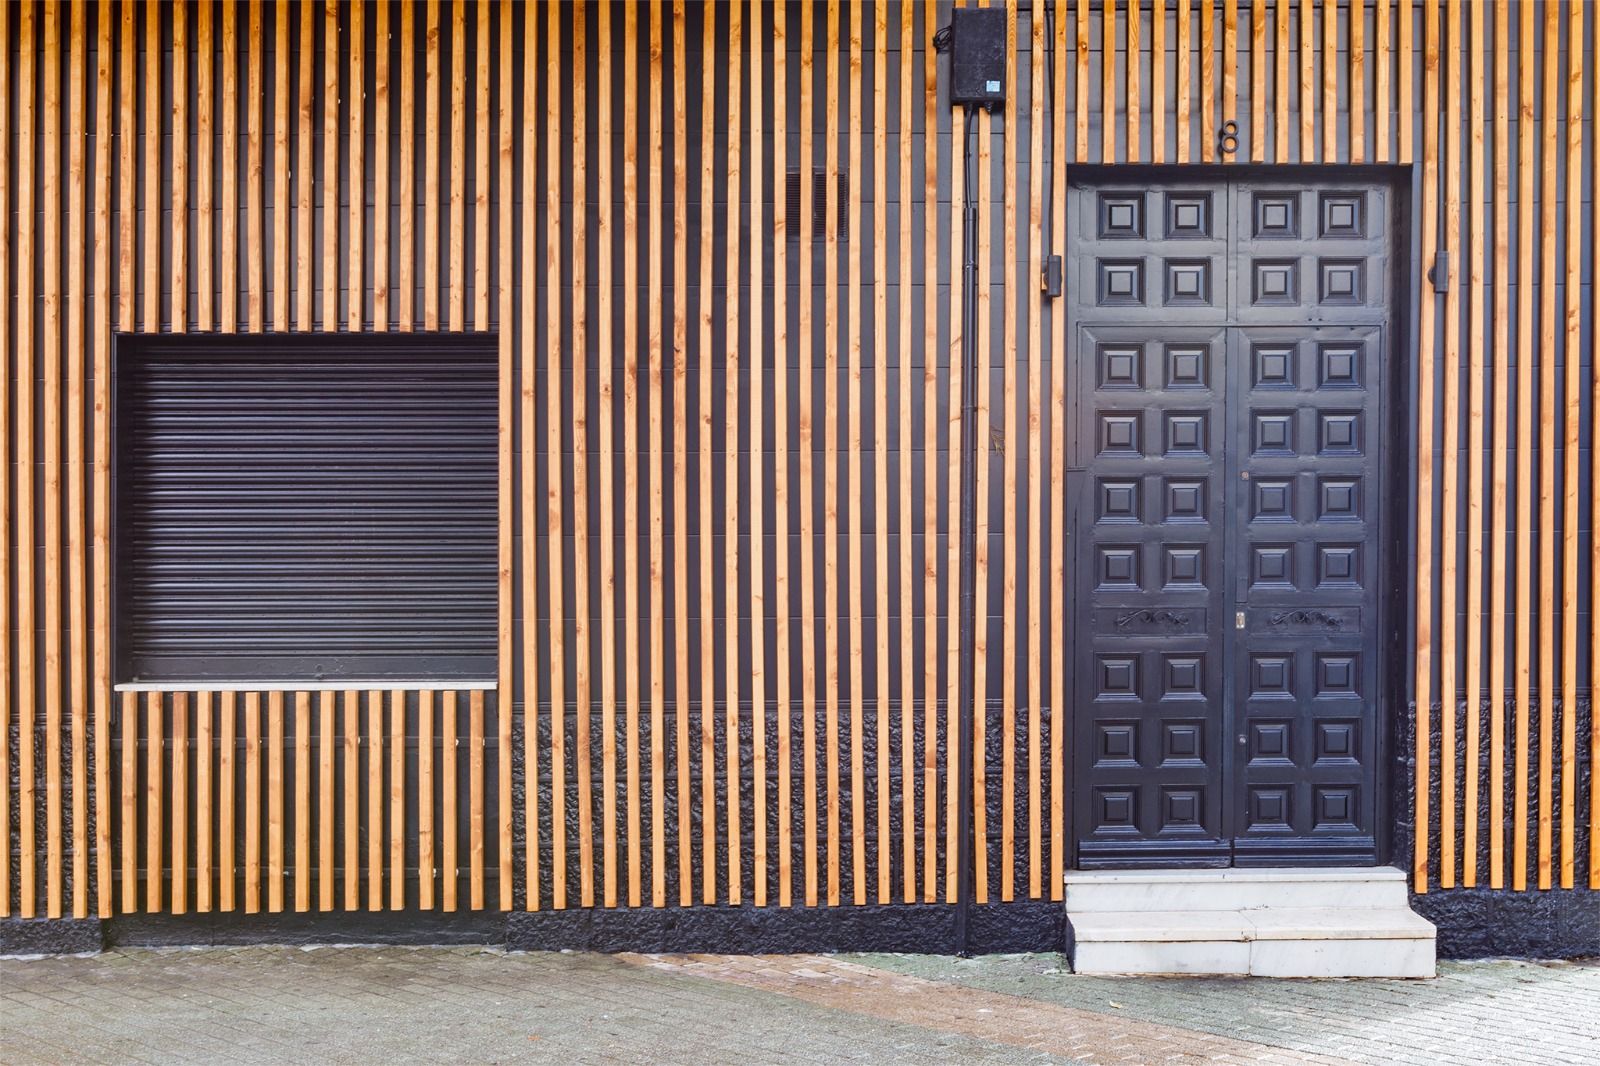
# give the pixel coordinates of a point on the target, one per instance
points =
(1304, 449)
(1152, 521)
(1229, 347)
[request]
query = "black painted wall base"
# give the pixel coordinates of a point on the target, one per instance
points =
(51, 936)
(1480, 923)
(913, 928)
(289, 927)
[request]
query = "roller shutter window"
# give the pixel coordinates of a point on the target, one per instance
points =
(303, 509)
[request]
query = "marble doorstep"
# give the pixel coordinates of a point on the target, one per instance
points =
(1269, 923)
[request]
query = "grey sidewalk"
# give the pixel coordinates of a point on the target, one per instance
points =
(384, 1005)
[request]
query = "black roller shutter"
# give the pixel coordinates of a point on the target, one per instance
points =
(305, 508)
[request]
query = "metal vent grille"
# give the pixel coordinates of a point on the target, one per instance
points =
(819, 203)
(305, 508)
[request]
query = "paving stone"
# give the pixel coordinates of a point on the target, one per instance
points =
(382, 1005)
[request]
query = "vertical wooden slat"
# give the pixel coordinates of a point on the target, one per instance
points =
(50, 358)
(355, 131)
(930, 423)
(1058, 466)
(658, 617)
(1208, 80)
(1381, 61)
(325, 810)
(858, 788)
(397, 800)
(77, 610)
(430, 176)
(380, 165)
(1425, 391)
(1475, 354)
(1330, 82)
(304, 175)
(405, 268)
(555, 494)
(425, 832)
(475, 783)
(808, 616)
(480, 176)
(228, 270)
(1108, 84)
(830, 441)
(1527, 177)
(905, 385)
(1357, 106)
(26, 697)
(254, 230)
(980, 559)
(1230, 73)
(605, 355)
(1184, 89)
(1081, 84)
(730, 443)
(1405, 45)
(1258, 81)
(1012, 432)
(1550, 127)
(275, 802)
(102, 238)
(505, 703)
(1280, 82)
(708, 794)
(302, 801)
(178, 902)
(458, 166)
(6, 664)
(580, 460)
(1498, 564)
(758, 341)
(1035, 577)
(1569, 451)
(375, 796)
(155, 793)
(450, 801)
(1158, 81)
(252, 802)
(780, 449)
(227, 781)
(130, 801)
(630, 433)
(880, 450)
(1132, 105)
(1594, 500)
(1308, 70)
(1449, 521)
(958, 194)
(151, 321)
(281, 49)
(352, 800)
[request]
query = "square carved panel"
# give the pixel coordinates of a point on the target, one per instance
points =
(1188, 215)
(1188, 366)
(1272, 566)
(1121, 366)
(1119, 433)
(1185, 568)
(1339, 366)
(1188, 282)
(1276, 214)
(1341, 282)
(1120, 282)
(1342, 214)
(1121, 216)
(1275, 282)
(1119, 568)
(1272, 366)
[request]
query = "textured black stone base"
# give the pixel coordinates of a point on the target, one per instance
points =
(1480, 923)
(289, 927)
(46, 936)
(918, 928)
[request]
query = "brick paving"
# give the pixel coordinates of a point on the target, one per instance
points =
(388, 1004)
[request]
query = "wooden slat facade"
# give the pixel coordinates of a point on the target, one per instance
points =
(725, 488)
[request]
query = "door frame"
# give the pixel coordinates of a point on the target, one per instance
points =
(1394, 727)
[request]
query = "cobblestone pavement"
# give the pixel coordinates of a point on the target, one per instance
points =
(387, 1005)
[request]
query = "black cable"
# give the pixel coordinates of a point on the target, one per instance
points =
(1050, 105)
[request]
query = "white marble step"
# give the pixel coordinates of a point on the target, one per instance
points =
(1264, 942)
(1234, 889)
